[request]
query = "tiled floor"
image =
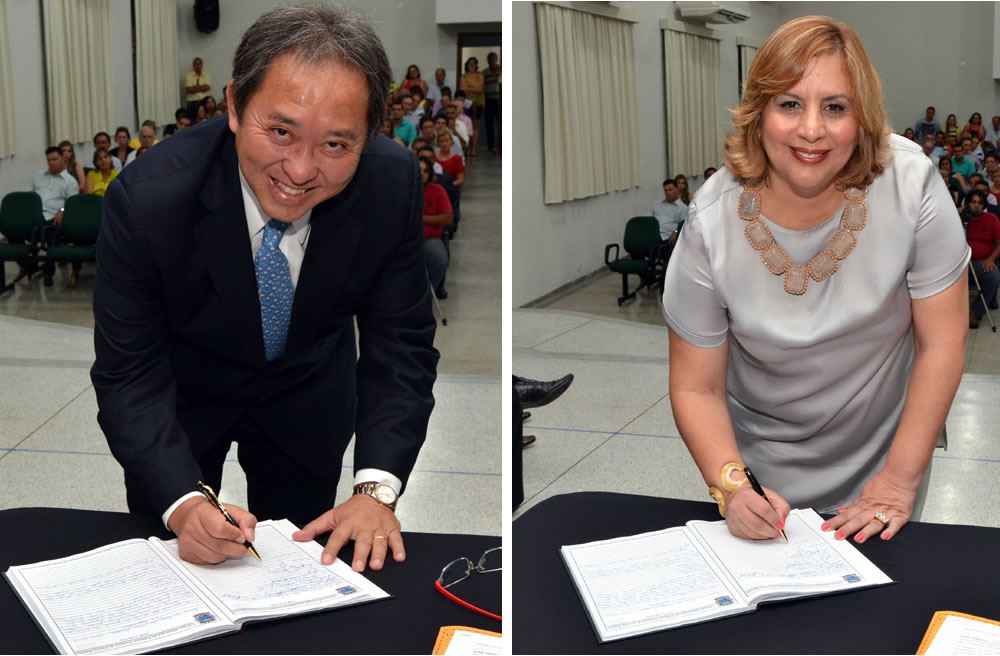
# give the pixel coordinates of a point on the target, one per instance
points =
(613, 429)
(53, 453)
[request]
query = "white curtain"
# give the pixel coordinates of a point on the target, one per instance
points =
(77, 67)
(589, 103)
(156, 59)
(8, 138)
(746, 55)
(694, 136)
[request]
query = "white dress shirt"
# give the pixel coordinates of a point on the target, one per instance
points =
(293, 246)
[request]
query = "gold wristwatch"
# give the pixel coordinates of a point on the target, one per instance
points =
(381, 492)
(727, 483)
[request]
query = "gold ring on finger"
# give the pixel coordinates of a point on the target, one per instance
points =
(882, 517)
(379, 537)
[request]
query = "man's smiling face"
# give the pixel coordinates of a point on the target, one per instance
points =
(301, 136)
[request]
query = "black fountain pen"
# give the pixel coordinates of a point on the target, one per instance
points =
(759, 490)
(214, 500)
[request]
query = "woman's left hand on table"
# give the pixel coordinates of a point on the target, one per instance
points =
(882, 493)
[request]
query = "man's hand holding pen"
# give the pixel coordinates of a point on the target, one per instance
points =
(205, 537)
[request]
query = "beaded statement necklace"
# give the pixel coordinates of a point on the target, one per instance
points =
(777, 260)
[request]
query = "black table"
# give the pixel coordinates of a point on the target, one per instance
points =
(405, 624)
(935, 566)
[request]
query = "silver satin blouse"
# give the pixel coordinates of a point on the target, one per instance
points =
(816, 383)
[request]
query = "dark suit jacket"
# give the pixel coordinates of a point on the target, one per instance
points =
(180, 351)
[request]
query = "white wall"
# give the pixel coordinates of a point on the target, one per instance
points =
(25, 26)
(556, 244)
(407, 29)
(927, 54)
(468, 11)
(909, 44)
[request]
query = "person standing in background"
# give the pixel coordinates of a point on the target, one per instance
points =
(197, 85)
(491, 79)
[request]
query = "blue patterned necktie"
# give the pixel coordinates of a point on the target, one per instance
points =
(274, 285)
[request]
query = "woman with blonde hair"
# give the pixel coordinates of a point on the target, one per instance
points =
(817, 299)
(73, 167)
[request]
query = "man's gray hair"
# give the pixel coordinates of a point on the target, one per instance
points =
(314, 34)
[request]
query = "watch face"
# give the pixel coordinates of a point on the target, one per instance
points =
(385, 494)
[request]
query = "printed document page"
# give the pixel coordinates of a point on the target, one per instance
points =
(122, 598)
(959, 634)
(646, 582)
(288, 578)
(811, 562)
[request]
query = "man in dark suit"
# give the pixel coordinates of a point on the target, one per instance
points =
(233, 261)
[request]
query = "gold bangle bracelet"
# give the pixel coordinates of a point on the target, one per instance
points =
(726, 481)
(719, 498)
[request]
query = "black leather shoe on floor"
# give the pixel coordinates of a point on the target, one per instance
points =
(993, 305)
(527, 440)
(441, 292)
(536, 393)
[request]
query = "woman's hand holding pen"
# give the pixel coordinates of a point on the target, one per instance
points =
(751, 517)
(884, 493)
(204, 537)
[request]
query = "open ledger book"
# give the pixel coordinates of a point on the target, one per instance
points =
(138, 595)
(700, 572)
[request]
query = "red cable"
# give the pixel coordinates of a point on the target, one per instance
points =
(461, 602)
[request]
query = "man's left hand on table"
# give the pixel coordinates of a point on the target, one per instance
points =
(373, 527)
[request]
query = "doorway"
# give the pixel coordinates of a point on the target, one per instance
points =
(485, 114)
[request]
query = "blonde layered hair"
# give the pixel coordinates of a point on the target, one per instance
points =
(778, 66)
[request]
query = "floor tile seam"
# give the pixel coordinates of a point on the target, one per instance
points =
(38, 323)
(234, 461)
(469, 379)
(589, 357)
(27, 437)
(587, 315)
(567, 470)
(45, 363)
(549, 339)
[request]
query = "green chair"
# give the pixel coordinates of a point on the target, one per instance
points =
(21, 221)
(80, 224)
(642, 243)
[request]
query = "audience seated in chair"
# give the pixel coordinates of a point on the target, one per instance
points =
(122, 150)
(54, 186)
(983, 235)
(450, 162)
(101, 175)
(437, 215)
(670, 212)
(103, 140)
(73, 167)
(147, 138)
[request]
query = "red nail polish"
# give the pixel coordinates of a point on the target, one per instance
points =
(885, 536)
(839, 535)
(825, 526)
(859, 538)
(841, 509)
(781, 525)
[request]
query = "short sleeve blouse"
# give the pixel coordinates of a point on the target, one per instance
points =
(435, 202)
(816, 383)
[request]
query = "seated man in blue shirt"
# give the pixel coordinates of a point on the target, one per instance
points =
(54, 186)
(961, 163)
(670, 212)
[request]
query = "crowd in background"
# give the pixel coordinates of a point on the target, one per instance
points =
(440, 124)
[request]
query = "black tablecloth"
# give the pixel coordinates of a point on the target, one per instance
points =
(407, 623)
(935, 566)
